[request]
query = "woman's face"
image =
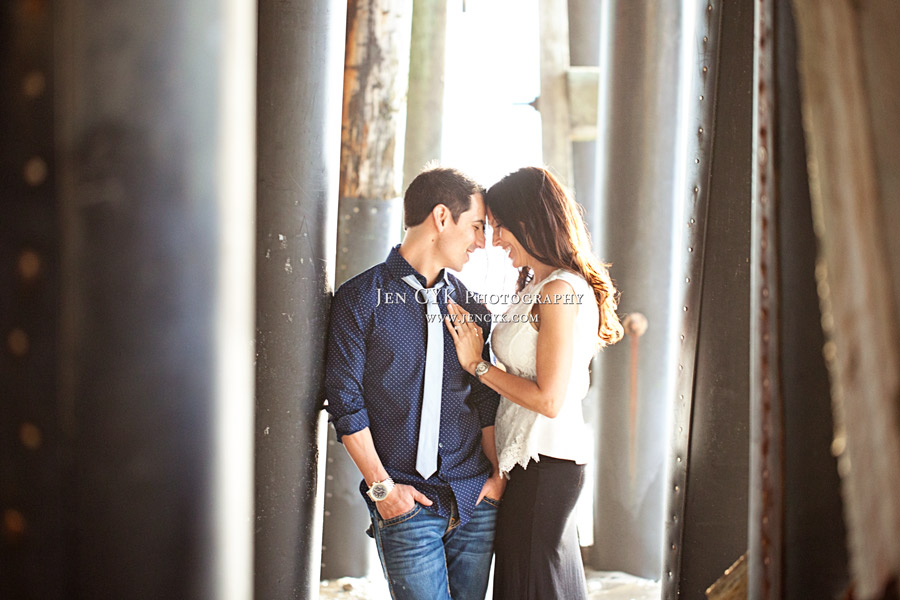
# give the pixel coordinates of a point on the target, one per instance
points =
(503, 238)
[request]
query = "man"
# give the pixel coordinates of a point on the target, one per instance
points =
(419, 428)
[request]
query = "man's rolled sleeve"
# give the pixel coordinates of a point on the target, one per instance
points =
(345, 365)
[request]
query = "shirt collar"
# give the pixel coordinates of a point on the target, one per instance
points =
(400, 268)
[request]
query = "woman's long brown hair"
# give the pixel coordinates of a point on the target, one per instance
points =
(534, 207)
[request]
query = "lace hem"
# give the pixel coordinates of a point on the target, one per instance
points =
(516, 454)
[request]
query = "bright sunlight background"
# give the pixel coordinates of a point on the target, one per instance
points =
(489, 129)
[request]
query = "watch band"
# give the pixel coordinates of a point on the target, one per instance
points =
(379, 490)
(482, 368)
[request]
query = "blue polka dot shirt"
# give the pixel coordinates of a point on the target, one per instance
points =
(374, 377)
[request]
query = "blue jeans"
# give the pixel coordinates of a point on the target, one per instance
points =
(428, 557)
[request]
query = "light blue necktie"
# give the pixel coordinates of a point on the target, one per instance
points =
(430, 424)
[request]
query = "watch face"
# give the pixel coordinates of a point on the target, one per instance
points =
(379, 491)
(481, 368)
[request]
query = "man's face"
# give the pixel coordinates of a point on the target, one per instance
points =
(466, 235)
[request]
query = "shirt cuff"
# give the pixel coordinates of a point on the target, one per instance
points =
(350, 424)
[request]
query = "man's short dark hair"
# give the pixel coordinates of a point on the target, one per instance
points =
(440, 185)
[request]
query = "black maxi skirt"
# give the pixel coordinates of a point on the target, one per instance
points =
(536, 544)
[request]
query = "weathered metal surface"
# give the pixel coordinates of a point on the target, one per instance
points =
(155, 161)
(583, 84)
(376, 79)
(32, 515)
(796, 530)
(856, 280)
(584, 54)
(553, 103)
(638, 175)
(425, 101)
(706, 519)
(301, 50)
(376, 73)
(765, 531)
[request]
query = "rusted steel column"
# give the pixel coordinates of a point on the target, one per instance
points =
(155, 160)
(32, 516)
(857, 280)
(299, 89)
(376, 71)
(766, 521)
(706, 518)
(797, 539)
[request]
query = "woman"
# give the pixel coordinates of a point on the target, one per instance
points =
(563, 311)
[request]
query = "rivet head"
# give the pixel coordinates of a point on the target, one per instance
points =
(30, 436)
(35, 171)
(34, 84)
(701, 98)
(29, 265)
(14, 524)
(17, 341)
(705, 69)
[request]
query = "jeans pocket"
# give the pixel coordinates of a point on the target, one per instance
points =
(491, 502)
(385, 523)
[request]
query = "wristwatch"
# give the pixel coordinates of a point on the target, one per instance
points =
(379, 490)
(482, 368)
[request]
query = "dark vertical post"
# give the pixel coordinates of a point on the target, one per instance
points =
(706, 518)
(376, 78)
(301, 51)
(850, 89)
(797, 537)
(32, 528)
(155, 116)
(815, 560)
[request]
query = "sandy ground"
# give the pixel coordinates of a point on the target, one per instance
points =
(602, 585)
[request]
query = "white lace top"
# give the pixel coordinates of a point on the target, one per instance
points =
(522, 434)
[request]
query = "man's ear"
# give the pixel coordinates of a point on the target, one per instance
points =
(440, 214)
